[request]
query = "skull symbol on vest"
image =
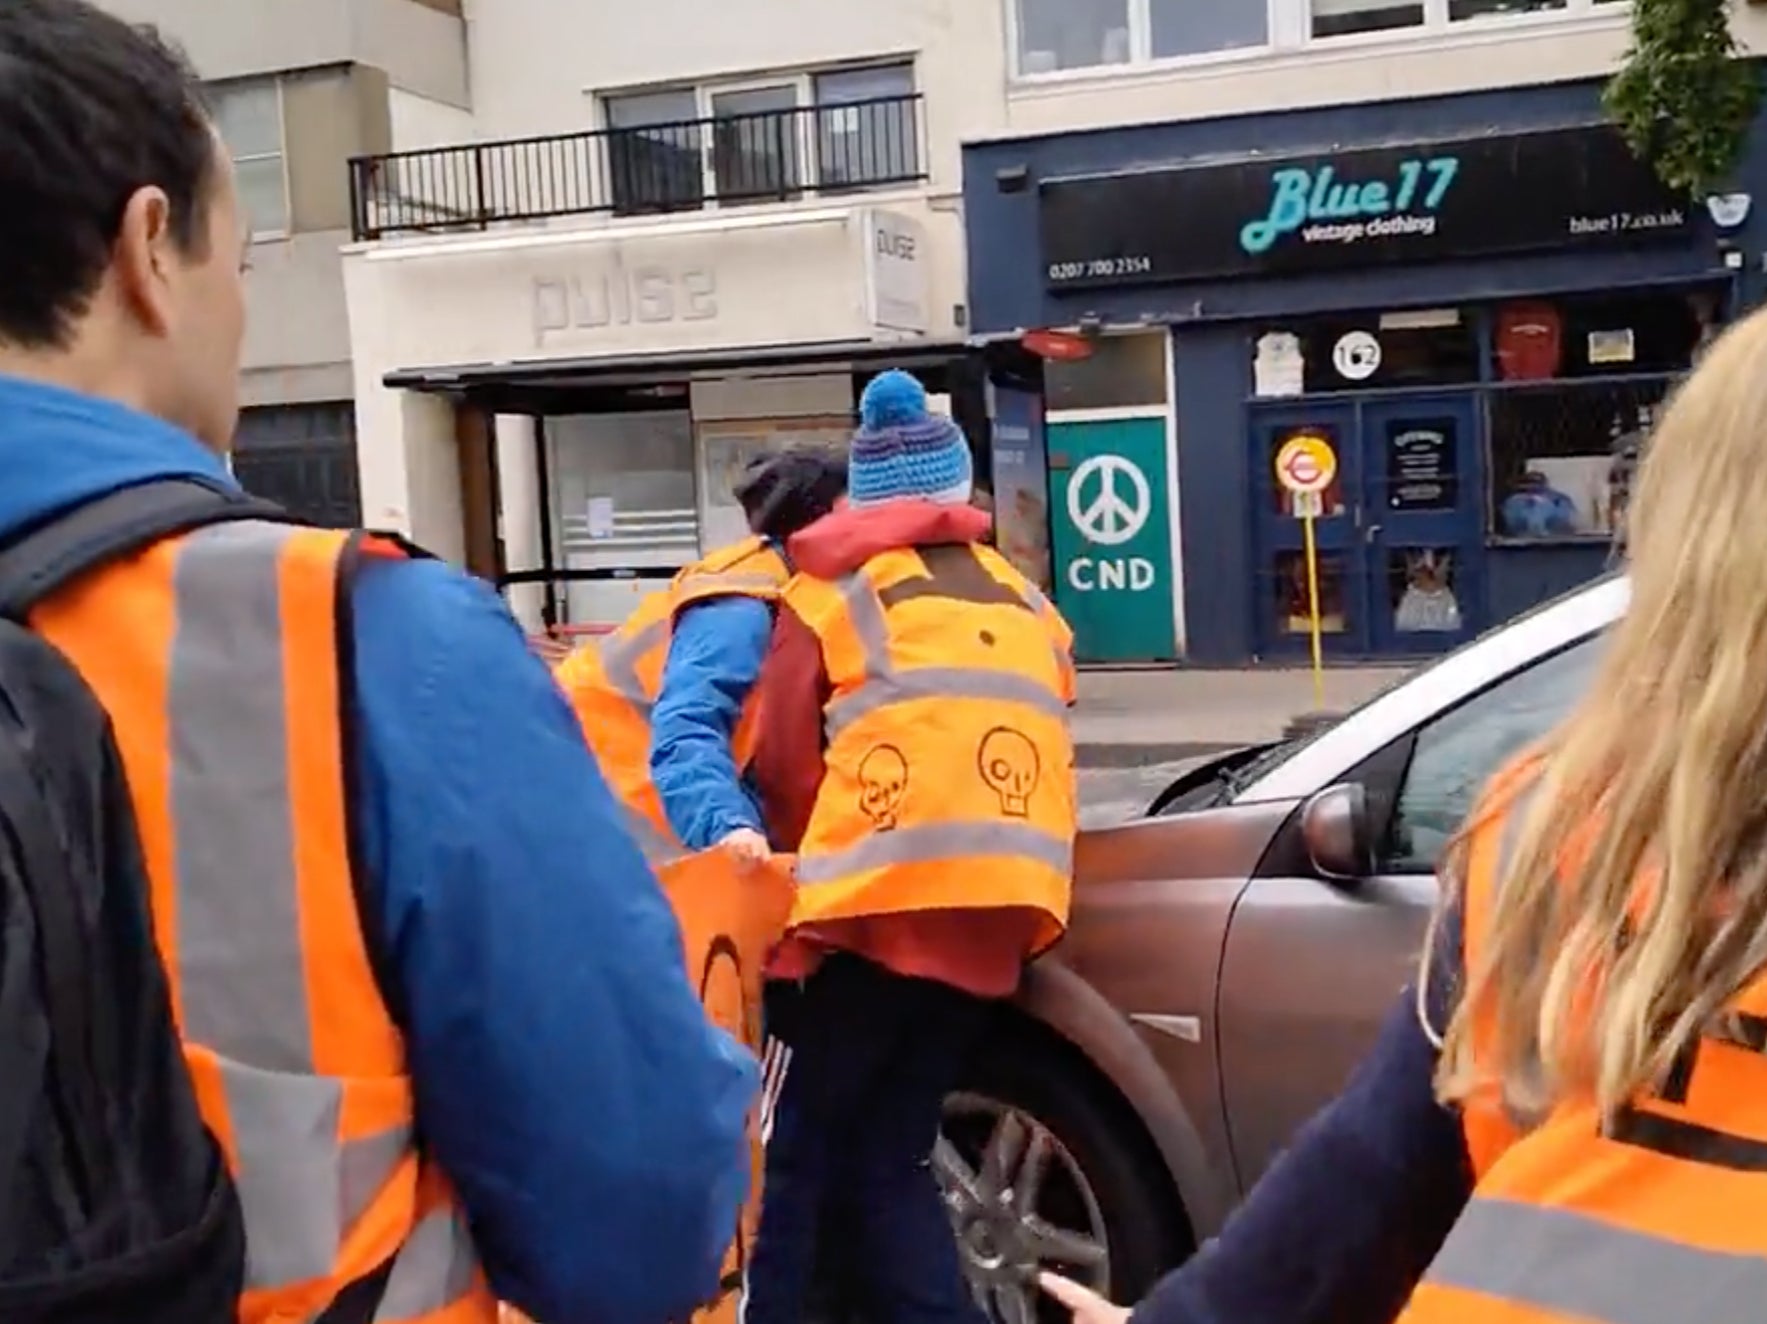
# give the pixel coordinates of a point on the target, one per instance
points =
(883, 780)
(1009, 765)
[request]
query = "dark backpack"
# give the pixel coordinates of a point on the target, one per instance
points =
(115, 1203)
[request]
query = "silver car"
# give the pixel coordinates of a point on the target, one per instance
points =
(1231, 956)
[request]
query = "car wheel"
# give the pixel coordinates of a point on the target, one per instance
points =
(1042, 1170)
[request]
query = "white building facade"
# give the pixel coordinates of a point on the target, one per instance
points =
(671, 239)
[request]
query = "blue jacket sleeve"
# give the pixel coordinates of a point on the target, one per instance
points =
(567, 1080)
(715, 656)
(1299, 1252)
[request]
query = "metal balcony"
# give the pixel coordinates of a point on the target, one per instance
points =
(684, 166)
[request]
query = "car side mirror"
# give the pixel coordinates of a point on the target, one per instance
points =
(1337, 832)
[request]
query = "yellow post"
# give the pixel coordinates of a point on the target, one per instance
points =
(1313, 611)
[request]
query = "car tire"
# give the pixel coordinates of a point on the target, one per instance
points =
(1026, 1068)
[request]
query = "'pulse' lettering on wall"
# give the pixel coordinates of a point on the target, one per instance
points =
(1323, 209)
(618, 296)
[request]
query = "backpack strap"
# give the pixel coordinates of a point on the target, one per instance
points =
(51, 555)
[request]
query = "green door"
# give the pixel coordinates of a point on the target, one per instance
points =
(1112, 543)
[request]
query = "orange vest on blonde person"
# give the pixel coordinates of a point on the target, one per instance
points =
(613, 683)
(940, 843)
(1656, 1216)
(216, 656)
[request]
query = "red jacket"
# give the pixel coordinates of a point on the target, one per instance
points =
(980, 951)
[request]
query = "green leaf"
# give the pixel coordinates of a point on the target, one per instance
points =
(1684, 98)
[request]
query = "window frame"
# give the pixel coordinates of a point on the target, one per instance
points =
(1289, 29)
(807, 122)
(220, 89)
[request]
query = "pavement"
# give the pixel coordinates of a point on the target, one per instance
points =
(1132, 719)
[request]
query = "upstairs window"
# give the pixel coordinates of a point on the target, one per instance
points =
(732, 143)
(1052, 37)
(248, 116)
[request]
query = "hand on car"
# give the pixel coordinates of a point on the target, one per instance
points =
(1088, 1307)
(749, 847)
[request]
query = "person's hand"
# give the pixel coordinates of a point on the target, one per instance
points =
(749, 846)
(1087, 1306)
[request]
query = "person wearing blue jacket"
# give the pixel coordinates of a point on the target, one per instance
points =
(716, 649)
(567, 1081)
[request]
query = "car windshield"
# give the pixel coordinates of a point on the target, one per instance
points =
(1239, 778)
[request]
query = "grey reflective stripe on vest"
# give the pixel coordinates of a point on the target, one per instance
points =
(940, 683)
(660, 845)
(435, 1268)
(931, 842)
(620, 657)
(238, 956)
(1589, 1270)
(883, 684)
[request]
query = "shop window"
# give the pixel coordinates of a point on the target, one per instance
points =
(1365, 351)
(1602, 335)
(1122, 372)
(1461, 10)
(1421, 590)
(1563, 455)
(1293, 614)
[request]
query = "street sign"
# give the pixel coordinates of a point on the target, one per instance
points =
(1305, 466)
(1306, 463)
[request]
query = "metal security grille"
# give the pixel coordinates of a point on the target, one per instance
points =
(303, 457)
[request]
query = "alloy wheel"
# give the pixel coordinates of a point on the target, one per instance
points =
(1020, 1203)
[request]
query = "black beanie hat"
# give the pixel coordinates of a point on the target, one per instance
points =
(783, 492)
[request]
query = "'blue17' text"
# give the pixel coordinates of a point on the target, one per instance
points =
(1324, 209)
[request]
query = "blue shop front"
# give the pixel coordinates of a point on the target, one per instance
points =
(1477, 302)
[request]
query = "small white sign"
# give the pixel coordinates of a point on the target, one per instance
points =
(896, 272)
(1278, 368)
(601, 517)
(1309, 505)
(1356, 356)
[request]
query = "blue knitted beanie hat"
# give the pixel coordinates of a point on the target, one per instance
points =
(901, 450)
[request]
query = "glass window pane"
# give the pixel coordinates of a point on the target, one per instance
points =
(263, 193)
(1421, 590)
(1463, 9)
(1462, 750)
(755, 143)
(874, 141)
(1071, 34)
(1294, 599)
(248, 117)
(1197, 27)
(654, 152)
(1340, 18)
(845, 86)
(645, 108)
(1123, 371)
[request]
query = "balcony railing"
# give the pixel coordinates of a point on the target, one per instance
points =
(641, 170)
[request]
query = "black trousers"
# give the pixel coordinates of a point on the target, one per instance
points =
(853, 1121)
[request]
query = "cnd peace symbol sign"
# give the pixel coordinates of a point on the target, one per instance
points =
(1109, 500)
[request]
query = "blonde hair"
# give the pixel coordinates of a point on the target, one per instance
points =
(1634, 902)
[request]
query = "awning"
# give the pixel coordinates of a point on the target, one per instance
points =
(642, 369)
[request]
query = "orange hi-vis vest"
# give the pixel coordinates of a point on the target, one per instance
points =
(217, 657)
(950, 766)
(1655, 1216)
(613, 683)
